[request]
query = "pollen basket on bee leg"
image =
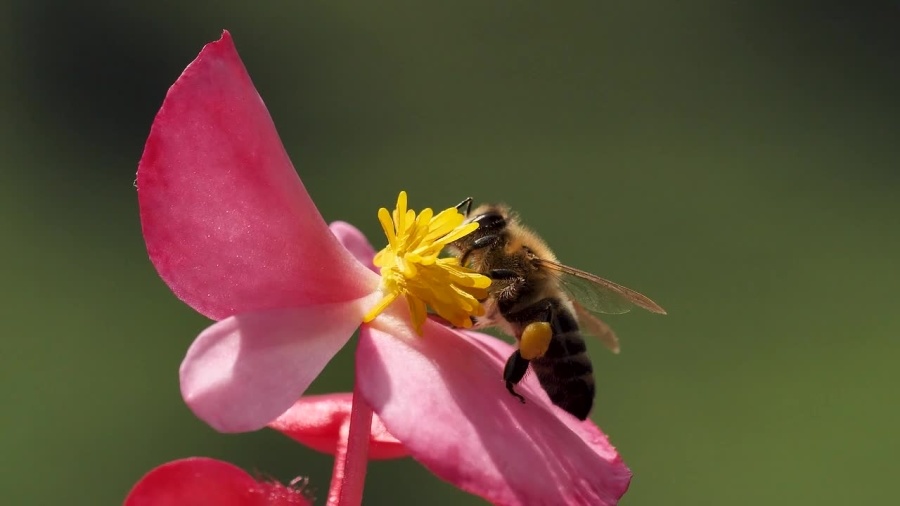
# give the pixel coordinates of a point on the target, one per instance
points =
(535, 340)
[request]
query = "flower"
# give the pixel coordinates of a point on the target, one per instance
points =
(233, 232)
(348, 430)
(201, 481)
(317, 421)
(321, 422)
(410, 266)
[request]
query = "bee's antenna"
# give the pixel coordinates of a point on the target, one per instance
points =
(467, 203)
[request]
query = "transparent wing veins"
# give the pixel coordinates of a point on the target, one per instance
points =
(596, 327)
(598, 295)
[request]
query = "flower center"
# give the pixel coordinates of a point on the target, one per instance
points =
(410, 266)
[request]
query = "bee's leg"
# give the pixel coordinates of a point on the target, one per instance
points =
(553, 319)
(467, 202)
(513, 372)
(481, 242)
(544, 310)
(502, 274)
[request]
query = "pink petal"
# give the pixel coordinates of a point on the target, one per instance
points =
(244, 371)
(316, 421)
(443, 397)
(227, 222)
(200, 481)
(355, 242)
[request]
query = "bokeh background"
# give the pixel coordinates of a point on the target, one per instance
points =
(736, 161)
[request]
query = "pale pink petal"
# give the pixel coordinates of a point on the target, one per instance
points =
(227, 222)
(316, 421)
(443, 397)
(589, 431)
(244, 371)
(355, 242)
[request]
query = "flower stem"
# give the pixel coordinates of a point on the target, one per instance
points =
(352, 455)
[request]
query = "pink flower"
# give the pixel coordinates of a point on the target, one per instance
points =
(322, 423)
(233, 232)
(318, 421)
(200, 481)
(336, 425)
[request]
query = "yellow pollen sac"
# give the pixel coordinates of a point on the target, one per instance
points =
(412, 269)
(535, 340)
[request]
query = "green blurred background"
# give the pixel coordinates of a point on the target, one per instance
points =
(736, 161)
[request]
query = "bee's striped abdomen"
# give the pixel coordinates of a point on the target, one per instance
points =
(566, 374)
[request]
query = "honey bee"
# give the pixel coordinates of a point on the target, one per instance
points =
(544, 304)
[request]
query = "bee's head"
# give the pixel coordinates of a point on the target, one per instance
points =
(490, 219)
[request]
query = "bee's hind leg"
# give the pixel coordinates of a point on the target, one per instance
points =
(513, 372)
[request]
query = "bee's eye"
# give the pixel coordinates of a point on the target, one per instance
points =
(490, 221)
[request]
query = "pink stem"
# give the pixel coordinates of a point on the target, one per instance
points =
(352, 455)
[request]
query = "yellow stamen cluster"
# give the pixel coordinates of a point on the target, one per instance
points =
(410, 266)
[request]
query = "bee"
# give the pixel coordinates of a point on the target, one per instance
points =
(544, 304)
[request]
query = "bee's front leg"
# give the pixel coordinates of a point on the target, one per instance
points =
(480, 243)
(496, 274)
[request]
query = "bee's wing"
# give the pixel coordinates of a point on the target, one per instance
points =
(598, 295)
(597, 327)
